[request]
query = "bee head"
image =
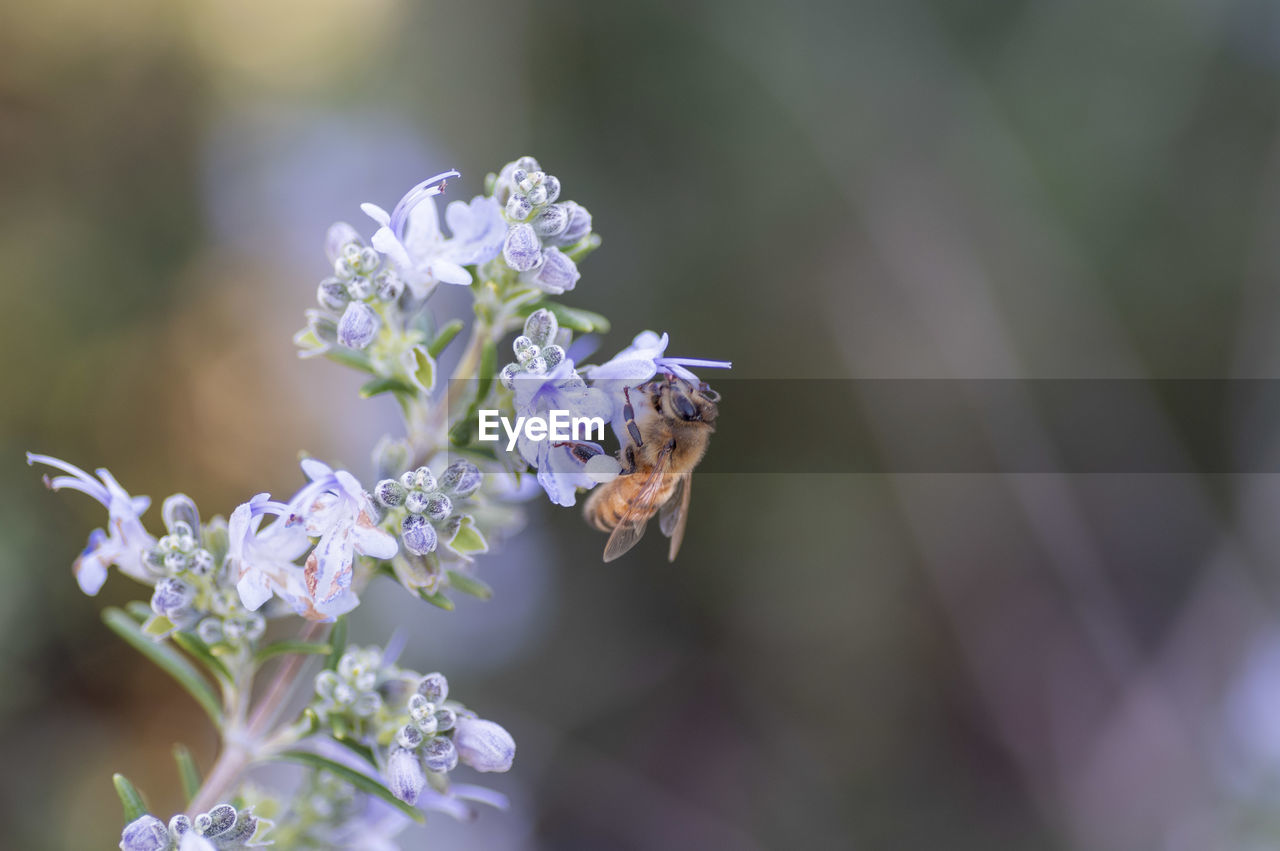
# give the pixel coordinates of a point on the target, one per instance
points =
(679, 399)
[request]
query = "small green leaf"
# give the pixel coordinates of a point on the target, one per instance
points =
(583, 321)
(130, 798)
(350, 357)
(470, 585)
(423, 367)
(445, 337)
(140, 610)
(436, 599)
(379, 386)
(488, 365)
(188, 773)
(282, 647)
(467, 539)
(363, 782)
(362, 751)
(167, 659)
(197, 648)
(580, 249)
(337, 641)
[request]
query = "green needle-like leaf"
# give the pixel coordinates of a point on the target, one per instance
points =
(385, 385)
(170, 660)
(197, 648)
(337, 641)
(130, 798)
(583, 321)
(363, 782)
(470, 585)
(282, 647)
(436, 599)
(188, 773)
(445, 337)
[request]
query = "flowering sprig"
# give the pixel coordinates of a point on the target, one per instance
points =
(378, 743)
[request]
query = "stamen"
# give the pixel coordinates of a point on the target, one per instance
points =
(431, 186)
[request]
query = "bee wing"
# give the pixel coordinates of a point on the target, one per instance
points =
(631, 525)
(674, 514)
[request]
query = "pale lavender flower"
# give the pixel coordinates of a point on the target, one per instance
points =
(124, 543)
(484, 745)
(635, 365)
(562, 467)
(263, 564)
(336, 509)
(145, 833)
(410, 236)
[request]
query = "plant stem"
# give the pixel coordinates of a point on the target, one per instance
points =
(241, 738)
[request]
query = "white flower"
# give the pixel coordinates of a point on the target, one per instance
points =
(263, 564)
(336, 509)
(410, 235)
(124, 543)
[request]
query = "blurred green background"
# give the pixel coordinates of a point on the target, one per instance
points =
(922, 188)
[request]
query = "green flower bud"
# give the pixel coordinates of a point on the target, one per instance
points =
(541, 327)
(389, 493)
(332, 295)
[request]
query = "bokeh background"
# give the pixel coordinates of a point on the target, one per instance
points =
(908, 189)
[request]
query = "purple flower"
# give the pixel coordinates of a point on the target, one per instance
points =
(145, 833)
(125, 541)
(410, 235)
(635, 365)
(562, 467)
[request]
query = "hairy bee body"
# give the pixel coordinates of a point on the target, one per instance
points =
(669, 426)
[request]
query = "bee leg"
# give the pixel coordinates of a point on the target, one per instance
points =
(631, 461)
(629, 414)
(584, 452)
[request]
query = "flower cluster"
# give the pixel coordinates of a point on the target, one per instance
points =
(379, 743)
(538, 227)
(222, 827)
(407, 721)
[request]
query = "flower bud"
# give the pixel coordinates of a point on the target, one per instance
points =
(175, 561)
(201, 562)
(508, 375)
(368, 260)
(233, 630)
(358, 326)
(416, 502)
(179, 824)
(440, 755)
(424, 479)
(254, 626)
(519, 207)
(556, 275)
(522, 346)
(409, 737)
(421, 708)
(360, 288)
(553, 355)
(528, 164)
(541, 327)
(221, 819)
(325, 329)
(552, 184)
(438, 506)
(390, 455)
(389, 493)
(326, 683)
(462, 478)
(405, 777)
(418, 535)
(332, 294)
(368, 703)
(537, 366)
(579, 225)
(522, 249)
(388, 285)
(551, 221)
(538, 195)
(434, 687)
(246, 825)
(172, 597)
(145, 833)
(181, 508)
(210, 630)
(336, 240)
(484, 745)
(445, 719)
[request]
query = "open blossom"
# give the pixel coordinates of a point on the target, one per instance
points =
(333, 508)
(125, 541)
(635, 365)
(336, 509)
(410, 235)
(562, 467)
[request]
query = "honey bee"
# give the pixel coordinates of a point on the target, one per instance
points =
(669, 427)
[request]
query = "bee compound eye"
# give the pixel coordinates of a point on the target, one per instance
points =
(685, 407)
